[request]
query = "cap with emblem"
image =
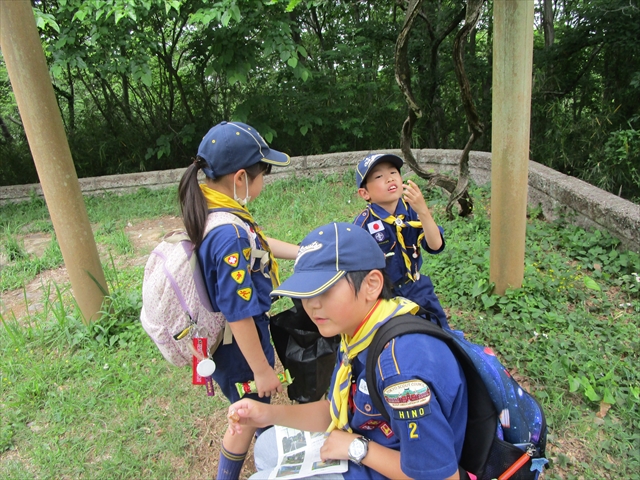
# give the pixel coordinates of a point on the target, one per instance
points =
(326, 255)
(367, 163)
(230, 146)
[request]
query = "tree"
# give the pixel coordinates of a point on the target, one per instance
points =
(458, 190)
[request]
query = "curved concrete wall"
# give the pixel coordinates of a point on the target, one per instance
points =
(556, 193)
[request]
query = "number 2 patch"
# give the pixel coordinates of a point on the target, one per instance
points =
(413, 431)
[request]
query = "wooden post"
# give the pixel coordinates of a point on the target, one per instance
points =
(511, 119)
(29, 75)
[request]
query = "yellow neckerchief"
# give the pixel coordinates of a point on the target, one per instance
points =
(223, 203)
(382, 311)
(399, 223)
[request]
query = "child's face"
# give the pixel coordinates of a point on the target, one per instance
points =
(337, 310)
(255, 186)
(384, 185)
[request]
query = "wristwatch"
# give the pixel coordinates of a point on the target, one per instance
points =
(358, 449)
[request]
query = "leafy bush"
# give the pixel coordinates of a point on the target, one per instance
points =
(617, 168)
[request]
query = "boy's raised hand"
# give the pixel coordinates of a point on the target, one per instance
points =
(413, 196)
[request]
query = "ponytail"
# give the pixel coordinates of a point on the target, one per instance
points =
(193, 205)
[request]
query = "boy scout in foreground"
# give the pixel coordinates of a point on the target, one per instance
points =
(339, 276)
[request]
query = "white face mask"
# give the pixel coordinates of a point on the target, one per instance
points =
(245, 200)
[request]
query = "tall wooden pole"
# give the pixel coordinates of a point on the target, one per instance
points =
(512, 67)
(29, 75)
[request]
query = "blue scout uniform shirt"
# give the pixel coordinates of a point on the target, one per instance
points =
(426, 398)
(420, 291)
(238, 291)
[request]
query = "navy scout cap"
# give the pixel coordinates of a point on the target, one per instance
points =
(370, 161)
(230, 146)
(326, 255)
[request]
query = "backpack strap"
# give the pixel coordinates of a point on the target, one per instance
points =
(482, 416)
(394, 327)
(217, 218)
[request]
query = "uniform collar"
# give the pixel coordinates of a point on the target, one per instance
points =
(401, 209)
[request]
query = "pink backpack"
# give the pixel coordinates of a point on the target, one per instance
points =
(175, 302)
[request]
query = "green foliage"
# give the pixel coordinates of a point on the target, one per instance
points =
(110, 214)
(13, 247)
(617, 167)
(575, 346)
(139, 83)
(586, 96)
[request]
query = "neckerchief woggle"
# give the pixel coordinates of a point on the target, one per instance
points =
(220, 202)
(399, 223)
(350, 347)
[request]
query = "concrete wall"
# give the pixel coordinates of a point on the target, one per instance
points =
(554, 192)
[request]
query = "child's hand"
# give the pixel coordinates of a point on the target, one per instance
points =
(267, 383)
(336, 446)
(246, 412)
(413, 196)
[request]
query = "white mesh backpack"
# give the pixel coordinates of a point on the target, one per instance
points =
(175, 302)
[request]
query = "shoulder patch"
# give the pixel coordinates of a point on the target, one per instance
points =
(247, 253)
(245, 293)
(238, 276)
(232, 259)
(408, 394)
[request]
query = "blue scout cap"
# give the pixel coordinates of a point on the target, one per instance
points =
(326, 255)
(230, 146)
(370, 161)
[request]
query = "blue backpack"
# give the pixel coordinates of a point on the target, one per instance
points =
(506, 428)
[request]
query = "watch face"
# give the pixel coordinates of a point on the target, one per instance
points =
(357, 448)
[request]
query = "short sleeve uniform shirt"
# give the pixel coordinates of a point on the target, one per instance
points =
(425, 396)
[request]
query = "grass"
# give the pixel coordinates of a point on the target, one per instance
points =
(100, 402)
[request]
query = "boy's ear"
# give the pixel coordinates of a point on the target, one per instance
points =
(372, 285)
(364, 193)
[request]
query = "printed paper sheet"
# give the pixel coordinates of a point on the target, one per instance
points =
(299, 455)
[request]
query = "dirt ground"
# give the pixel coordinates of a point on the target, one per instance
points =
(144, 235)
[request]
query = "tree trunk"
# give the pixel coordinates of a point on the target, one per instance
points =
(458, 190)
(547, 23)
(5, 131)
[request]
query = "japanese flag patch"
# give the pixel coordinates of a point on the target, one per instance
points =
(375, 227)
